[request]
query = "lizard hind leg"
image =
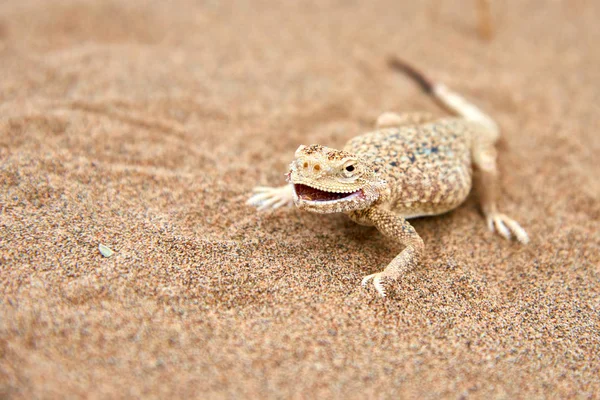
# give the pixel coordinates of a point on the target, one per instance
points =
(265, 197)
(395, 120)
(484, 158)
(376, 282)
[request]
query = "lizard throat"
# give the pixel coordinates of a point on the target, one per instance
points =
(308, 193)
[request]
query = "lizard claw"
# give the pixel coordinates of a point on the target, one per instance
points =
(264, 197)
(376, 282)
(506, 227)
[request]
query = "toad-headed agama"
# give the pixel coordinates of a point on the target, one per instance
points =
(412, 165)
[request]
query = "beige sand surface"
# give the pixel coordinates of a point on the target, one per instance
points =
(143, 125)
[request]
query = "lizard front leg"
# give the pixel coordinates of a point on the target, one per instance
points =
(400, 230)
(265, 197)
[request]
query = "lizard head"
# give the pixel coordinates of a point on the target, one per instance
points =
(327, 180)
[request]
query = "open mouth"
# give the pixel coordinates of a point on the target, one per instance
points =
(308, 193)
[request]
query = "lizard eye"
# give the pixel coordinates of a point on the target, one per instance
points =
(349, 170)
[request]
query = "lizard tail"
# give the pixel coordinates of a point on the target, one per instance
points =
(450, 100)
(426, 84)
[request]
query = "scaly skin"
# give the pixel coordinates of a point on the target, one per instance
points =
(412, 166)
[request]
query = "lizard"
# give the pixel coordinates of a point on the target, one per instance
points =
(412, 165)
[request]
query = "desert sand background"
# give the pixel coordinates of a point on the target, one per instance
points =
(143, 125)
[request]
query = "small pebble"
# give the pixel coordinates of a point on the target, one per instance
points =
(105, 251)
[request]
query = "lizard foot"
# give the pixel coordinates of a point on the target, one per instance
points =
(506, 227)
(376, 282)
(265, 197)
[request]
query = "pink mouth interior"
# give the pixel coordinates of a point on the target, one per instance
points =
(311, 194)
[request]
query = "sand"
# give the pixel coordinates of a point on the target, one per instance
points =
(143, 126)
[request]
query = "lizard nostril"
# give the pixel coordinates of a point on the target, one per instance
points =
(317, 167)
(305, 165)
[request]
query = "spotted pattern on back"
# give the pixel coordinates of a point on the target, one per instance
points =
(427, 167)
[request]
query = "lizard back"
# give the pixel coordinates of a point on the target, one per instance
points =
(427, 167)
